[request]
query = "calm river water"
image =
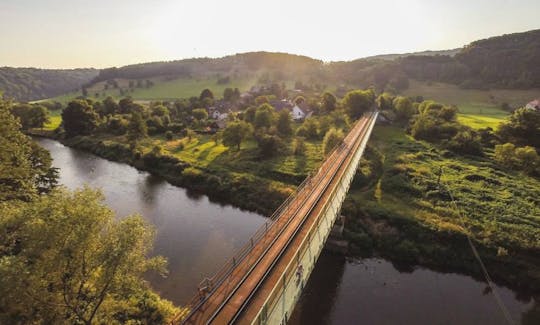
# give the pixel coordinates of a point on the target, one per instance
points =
(197, 236)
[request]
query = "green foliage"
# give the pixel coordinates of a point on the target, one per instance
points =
(25, 168)
(404, 108)
(385, 101)
(434, 122)
(466, 141)
(522, 128)
(308, 129)
(118, 125)
(31, 116)
(27, 84)
(269, 145)
(299, 146)
(524, 158)
(357, 102)
(79, 118)
(284, 123)
(331, 139)
(206, 94)
(200, 114)
(65, 258)
(137, 127)
(264, 116)
(235, 133)
(328, 102)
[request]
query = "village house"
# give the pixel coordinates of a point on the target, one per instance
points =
(300, 112)
(534, 105)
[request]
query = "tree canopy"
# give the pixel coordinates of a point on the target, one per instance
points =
(79, 118)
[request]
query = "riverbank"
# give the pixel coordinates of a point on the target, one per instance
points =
(379, 223)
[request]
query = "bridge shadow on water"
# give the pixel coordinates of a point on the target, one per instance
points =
(318, 298)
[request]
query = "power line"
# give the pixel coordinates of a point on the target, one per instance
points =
(498, 299)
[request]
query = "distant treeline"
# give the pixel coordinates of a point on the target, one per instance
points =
(26, 84)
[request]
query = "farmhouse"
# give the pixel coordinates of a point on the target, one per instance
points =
(534, 105)
(298, 113)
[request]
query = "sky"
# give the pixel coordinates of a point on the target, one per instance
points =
(105, 33)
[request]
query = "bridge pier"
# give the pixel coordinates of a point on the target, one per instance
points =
(336, 243)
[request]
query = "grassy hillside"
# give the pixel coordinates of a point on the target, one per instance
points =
(477, 108)
(398, 205)
(162, 89)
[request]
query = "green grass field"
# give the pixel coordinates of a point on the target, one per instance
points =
(54, 120)
(161, 90)
(477, 108)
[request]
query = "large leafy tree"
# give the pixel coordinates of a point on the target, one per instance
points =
(284, 123)
(357, 102)
(264, 116)
(331, 139)
(31, 116)
(25, 167)
(328, 102)
(404, 108)
(66, 259)
(79, 118)
(235, 133)
(137, 128)
(522, 128)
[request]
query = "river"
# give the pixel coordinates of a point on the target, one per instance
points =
(197, 236)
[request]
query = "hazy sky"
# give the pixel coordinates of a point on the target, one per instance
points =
(103, 33)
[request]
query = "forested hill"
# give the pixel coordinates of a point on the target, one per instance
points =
(276, 65)
(508, 61)
(27, 84)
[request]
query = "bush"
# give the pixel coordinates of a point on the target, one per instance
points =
(169, 135)
(331, 139)
(299, 147)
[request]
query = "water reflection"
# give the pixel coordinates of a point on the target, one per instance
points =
(373, 291)
(196, 235)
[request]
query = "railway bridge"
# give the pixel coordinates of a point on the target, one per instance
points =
(263, 281)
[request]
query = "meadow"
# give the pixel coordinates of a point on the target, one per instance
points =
(477, 108)
(162, 89)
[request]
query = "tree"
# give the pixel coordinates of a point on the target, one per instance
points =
(404, 108)
(328, 102)
(505, 154)
(332, 138)
(284, 123)
(25, 167)
(137, 127)
(235, 133)
(65, 258)
(249, 114)
(206, 93)
(79, 118)
(31, 116)
(299, 147)
(264, 117)
(200, 114)
(357, 102)
(110, 106)
(308, 129)
(228, 94)
(385, 101)
(269, 145)
(527, 159)
(522, 128)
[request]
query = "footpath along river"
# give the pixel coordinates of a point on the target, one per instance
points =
(197, 236)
